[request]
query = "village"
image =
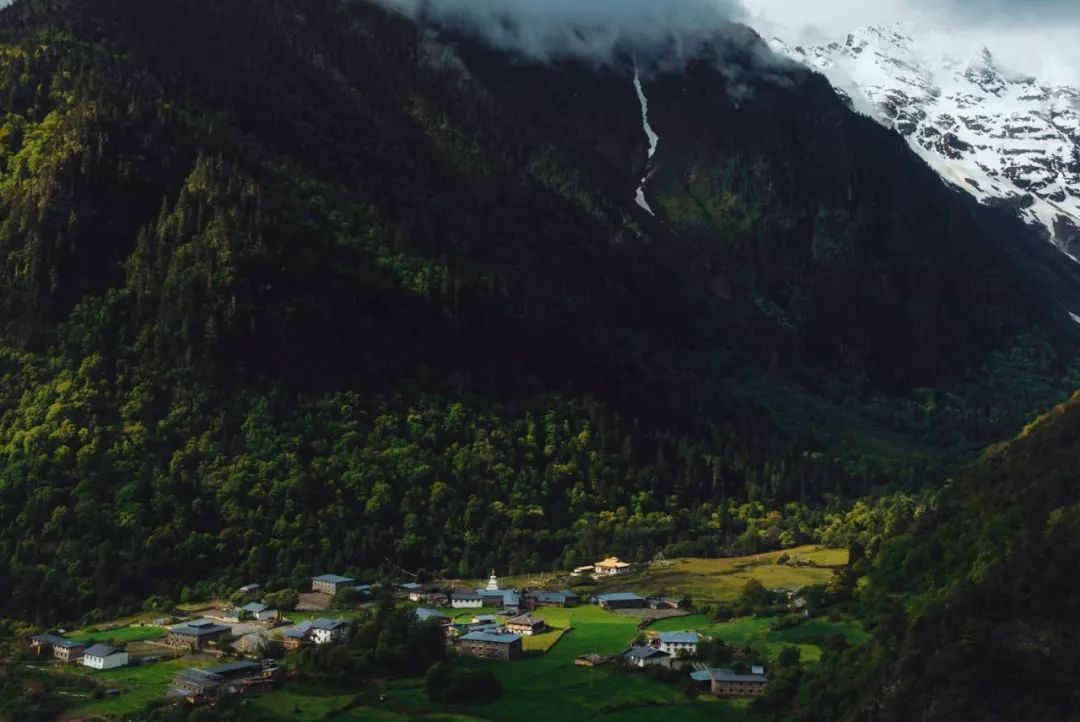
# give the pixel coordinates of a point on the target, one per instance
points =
(242, 649)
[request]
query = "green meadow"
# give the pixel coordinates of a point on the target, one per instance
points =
(122, 634)
(755, 632)
(551, 686)
(142, 685)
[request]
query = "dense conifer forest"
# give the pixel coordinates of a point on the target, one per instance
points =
(290, 286)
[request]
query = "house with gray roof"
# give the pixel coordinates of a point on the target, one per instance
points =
(196, 634)
(491, 645)
(724, 682)
(102, 656)
(564, 598)
(465, 599)
(259, 611)
(331, 583)
(647, 656)
(677, 644)
(326, 631)
(620, 600)
(61, 648)
(197, 682)
(526, 624)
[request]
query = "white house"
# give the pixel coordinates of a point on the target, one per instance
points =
(679, 643)
(466, 600)
(102, 656)
(261, 612)
(325, 631)
(647, 657)
(612, 566)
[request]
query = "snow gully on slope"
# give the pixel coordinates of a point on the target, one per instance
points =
(654, 139)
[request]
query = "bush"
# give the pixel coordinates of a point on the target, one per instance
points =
(285, 599)
(447, 684)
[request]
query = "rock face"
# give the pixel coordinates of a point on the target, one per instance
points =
(1006, 139)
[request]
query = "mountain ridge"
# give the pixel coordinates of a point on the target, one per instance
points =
(1004, 138)
(367, 297)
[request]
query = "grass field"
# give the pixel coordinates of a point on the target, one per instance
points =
(709, 581)
(543, 642)
(123, 634)
(142, 685)
(552, 687)
(755, 632)
(301, 701)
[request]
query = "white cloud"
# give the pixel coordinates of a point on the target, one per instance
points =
(545, 29)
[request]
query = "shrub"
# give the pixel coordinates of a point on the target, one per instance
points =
(447, 684)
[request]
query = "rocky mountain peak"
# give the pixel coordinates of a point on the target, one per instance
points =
(1005, 138)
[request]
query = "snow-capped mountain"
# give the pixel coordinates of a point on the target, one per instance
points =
(1005, 138)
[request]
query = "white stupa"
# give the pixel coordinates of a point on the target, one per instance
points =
(493, 582)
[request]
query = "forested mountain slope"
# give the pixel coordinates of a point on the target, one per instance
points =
(293, 285)
(974, 605)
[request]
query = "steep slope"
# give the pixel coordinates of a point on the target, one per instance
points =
(1007, 139)
(294, 285)
(974, 605)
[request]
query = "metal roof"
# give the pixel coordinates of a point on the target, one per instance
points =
(525, 619)
(333, 578)
(722, 674)
(255, 607)
(490, 637)
(465, 595)
(100, 650)
(57, 641)
(328, 624)
(679, 637)
(509, 597)
(198, 628)
(553, 596)
(225, 669)
(620, 597)
(646, 652)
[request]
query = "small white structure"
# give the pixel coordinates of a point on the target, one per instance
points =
(647, 657)
(679, 643)
(102, 656)
(260, 612)
(466, 600)
(493, 582)
(326, 631)
(582, 571)
(612, 566)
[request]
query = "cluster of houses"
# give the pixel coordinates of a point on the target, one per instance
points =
(95, 656)
(662, 648)
(665, 647)
(483, 638)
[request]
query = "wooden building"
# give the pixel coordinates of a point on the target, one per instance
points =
(59, 647)
(527, 625)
